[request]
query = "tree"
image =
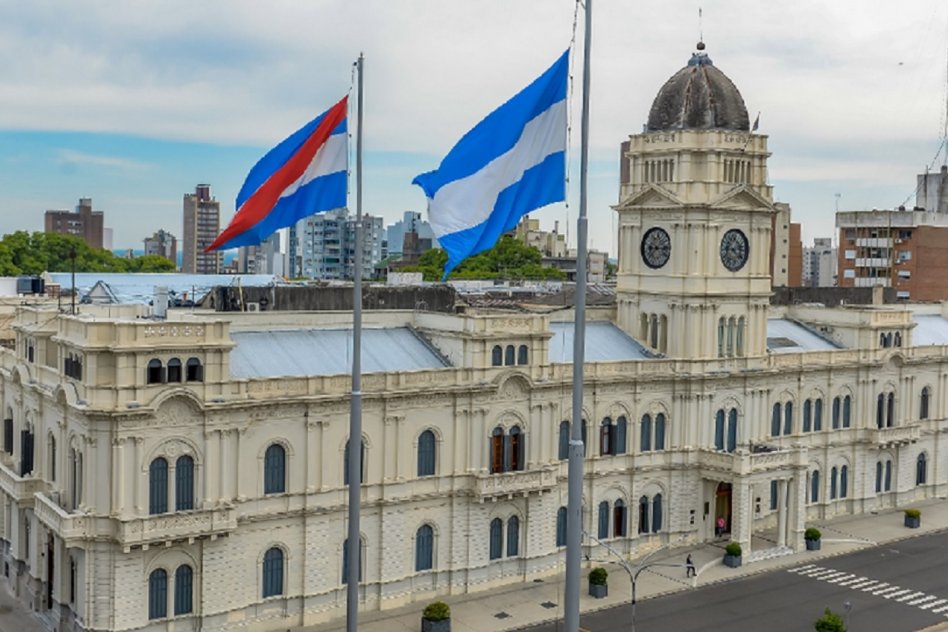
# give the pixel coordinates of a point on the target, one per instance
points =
(829, 622)
(22, 253)
(508, 259)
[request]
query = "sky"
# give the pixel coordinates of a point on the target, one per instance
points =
(134, 103)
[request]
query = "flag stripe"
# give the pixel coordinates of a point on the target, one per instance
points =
(500, 130)
(256, 207)
(331, 158)
(467, 202)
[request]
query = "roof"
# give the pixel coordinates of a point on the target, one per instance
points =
(930, 330)
(699, 96)
(604, 343)
(128, 287)
(303, 352)
(787, 336)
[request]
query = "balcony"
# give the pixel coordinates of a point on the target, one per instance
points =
(511, 483)
(744, 463)
(20, 489)
(896, 435)
(71, 527)
(176, 526)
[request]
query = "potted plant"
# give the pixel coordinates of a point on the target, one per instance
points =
(436, 617)
(597, 582)
(913, 518)
(829, 622)
(812, 537)
(732, 555)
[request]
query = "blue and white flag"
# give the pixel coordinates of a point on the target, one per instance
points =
(511, 163)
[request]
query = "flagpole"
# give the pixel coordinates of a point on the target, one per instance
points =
(574, 509)
(353, 544)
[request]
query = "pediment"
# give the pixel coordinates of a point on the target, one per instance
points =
(742, 198)
(651, 196)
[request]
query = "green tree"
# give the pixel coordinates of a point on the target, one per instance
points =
(150, 263)
(508, 259)
(32, 254)
(829, 622)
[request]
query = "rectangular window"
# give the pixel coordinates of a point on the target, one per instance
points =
(849, 274)
(850, 254)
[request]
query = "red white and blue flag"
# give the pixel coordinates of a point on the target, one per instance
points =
(305, 174)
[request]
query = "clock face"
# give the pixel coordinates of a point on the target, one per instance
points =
(656, 248)
(734, 249)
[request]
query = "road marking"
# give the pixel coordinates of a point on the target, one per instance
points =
(937, 602)
(940, 609)
(863, 583)
(909, 598)
(875, 589)
(921, 600)
(843, 578)
(898, 593)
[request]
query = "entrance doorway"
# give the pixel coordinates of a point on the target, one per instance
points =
(722, 510)
(50, 569)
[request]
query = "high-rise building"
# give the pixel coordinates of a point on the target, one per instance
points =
(411, 221)
(819, 263)
(85, 223)
(202, 223)
(163, 244)
(786, 249)
(326, 247)
(550, 244)
(932, 191)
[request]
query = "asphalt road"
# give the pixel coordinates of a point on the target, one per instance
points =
(893, 588)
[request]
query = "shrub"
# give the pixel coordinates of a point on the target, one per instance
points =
(913, 513)
(597, 576)
(829, 622)
(812, 533)
(733, 548)
(437, 611)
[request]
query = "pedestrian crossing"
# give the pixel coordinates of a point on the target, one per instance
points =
(924, 601)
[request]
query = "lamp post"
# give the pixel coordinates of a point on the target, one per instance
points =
(848, 606)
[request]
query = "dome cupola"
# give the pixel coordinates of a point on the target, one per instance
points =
(699, 96)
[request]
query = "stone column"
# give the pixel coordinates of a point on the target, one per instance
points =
(137, 475)
(211, 459)
(797, 510)
(312, 457)
(118, 476)
(742, 508)
(782, 485)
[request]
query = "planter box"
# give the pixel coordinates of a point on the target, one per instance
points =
(598, 590)
(732, 561)
(913, 523)
(812, 545)
(427, 625)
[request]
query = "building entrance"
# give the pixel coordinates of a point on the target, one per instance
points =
(722, 510)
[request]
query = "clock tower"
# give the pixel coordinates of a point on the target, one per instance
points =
(695, 221)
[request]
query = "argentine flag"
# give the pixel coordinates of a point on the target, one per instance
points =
(511, 163)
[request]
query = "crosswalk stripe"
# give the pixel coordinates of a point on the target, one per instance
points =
(855, 581)
(897, 594)
(863, 583)
(820, 572)
(842, 578)
(933, 604)
(909, 598)
(921, 600)
(887, 592)
(800, 568)
(940, 609)
(875, 590)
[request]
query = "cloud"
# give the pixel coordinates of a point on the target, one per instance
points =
(71, 158)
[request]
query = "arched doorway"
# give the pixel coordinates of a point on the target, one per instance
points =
(722, 510)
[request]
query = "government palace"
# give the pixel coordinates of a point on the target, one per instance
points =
(188, 471)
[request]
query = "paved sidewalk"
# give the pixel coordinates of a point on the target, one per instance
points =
(530, 604)
(14, 617)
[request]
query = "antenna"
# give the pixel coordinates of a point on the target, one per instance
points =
(700, 27)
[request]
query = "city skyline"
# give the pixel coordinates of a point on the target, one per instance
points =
(853, 101)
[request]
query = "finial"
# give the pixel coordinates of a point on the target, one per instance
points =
(700, 46)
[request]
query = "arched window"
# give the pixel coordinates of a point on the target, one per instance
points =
(497, 450)
(836, 410)
(923, 408)
(818, 415)
(643, 514)
(882, 340)
(561, 526)
(158, 594)
(730, 336)
(156, 372)
(509, 355)
(834, 475)
(660, 431)
(645, 440)
(345, 474)
(273, 572)
(843, 481)
(620, 438)
(898, 339)
(184, 483)
(426, 453)
(880, 411)
(878, 476)
(513, 536)
(158, 486)
(564, 440)
(788, 418)
(183, 583)
(740, 336)
(522, 354)
(174, 370)
(516, 450)
(732, 430)
(890, 411)
(921, 470)
(496, 538)
(424, 548)
(847, 411)
(807, 415)
(773, 495)
(52, 457)
(274, 469)
(657, 513)
(603, 532)
(888, 476)
(719, 430)
(497, 356)
(721, 337)
(775, 420)
(619, 519)
(194, 372)
(815, 486)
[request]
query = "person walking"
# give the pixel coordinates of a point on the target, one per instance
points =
(690, 567)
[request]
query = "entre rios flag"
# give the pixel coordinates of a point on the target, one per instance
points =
(511, 163)
(305, 174)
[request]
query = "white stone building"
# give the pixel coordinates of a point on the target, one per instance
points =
(188, 473)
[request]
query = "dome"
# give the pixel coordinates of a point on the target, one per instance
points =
(699, 96)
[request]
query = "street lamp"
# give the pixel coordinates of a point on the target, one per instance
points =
(633, 571)
(848, 606)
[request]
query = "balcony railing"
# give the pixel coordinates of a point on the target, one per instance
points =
(19, 488)
(71, 527)
(176, 526)
(743, 462)
(511, 483)
(894, 435)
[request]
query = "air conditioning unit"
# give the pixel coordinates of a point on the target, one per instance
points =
(253, 307)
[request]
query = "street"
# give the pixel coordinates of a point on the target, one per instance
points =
(900, 587)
